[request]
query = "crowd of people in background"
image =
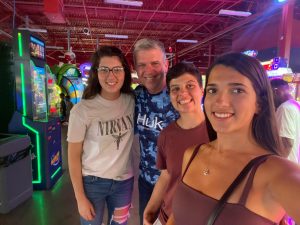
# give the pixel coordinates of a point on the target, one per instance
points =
(207, 156)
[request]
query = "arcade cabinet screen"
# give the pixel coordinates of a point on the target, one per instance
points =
(39, 93)
(37, 48)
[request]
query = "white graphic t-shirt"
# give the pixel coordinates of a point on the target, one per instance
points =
(288, 120)
(106, 130)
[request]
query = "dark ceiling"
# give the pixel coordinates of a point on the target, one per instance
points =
(166, 20)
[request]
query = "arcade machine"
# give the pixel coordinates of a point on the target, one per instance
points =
(278, 68)
(69, 79)
(85, 69)
(53, 93)
(31, 116)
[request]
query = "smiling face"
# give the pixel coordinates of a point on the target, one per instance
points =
(151, 67)
(230, 101)
(186, 94)
(111, 83)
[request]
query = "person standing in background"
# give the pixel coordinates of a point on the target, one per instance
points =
(69, 106)
(288, 118)
(100, 136)
(63, 109)
(185, 88)
(153, 111)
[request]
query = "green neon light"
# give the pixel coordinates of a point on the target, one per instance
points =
(38, 150)
(20, 45)
(37, 134)
(53, 175)
(23, 90)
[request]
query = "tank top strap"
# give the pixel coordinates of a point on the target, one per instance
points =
(196, 150)
(249, 181)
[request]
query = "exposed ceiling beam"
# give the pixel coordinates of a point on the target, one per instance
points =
(69, 8)
(261, 15)
(5, 33)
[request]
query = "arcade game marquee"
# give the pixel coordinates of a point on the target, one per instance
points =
(32, 114)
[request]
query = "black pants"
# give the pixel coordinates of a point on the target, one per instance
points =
(145, 191)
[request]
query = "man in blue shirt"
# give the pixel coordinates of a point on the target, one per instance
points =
(153, 111)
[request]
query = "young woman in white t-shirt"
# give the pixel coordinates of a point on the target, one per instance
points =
(100, 136)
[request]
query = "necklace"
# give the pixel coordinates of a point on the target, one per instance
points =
(205, 172)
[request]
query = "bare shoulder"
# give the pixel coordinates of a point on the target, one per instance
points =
(282, 185)
(279, 164)
(278, 169)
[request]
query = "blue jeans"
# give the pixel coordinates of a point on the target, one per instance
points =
(145, 192)
(116, 194)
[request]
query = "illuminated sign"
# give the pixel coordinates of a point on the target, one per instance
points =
(252, 53)
(37, 48)
(276, 67)
(85, 68)
(279, 72)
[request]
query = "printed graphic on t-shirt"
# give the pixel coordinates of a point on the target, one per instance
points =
(118, 138)
(117, 128)
(149, 123)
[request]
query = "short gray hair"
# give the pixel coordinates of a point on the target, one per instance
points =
(146, 44)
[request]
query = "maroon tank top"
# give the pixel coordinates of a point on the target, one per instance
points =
(191, 207)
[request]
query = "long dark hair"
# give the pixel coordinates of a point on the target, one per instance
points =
(93, 88)
(264, 128)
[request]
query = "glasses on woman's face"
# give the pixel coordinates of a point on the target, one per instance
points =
(104, 70)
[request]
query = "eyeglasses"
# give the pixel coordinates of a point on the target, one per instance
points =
(104, 70)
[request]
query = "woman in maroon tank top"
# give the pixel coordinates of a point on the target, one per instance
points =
(239, 106)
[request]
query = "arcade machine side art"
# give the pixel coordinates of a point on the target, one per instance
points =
(53, 91)
(31, 116)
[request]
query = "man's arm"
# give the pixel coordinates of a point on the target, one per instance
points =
(156, 198)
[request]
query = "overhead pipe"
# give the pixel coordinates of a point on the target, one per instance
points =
(68, 39)
(87, 18)
(14, 14)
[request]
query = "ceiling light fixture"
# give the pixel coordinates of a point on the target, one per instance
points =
(33, 29)
(186, 41)
(234, 13)
(55, 47)
(124, 2)
(116, 36)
